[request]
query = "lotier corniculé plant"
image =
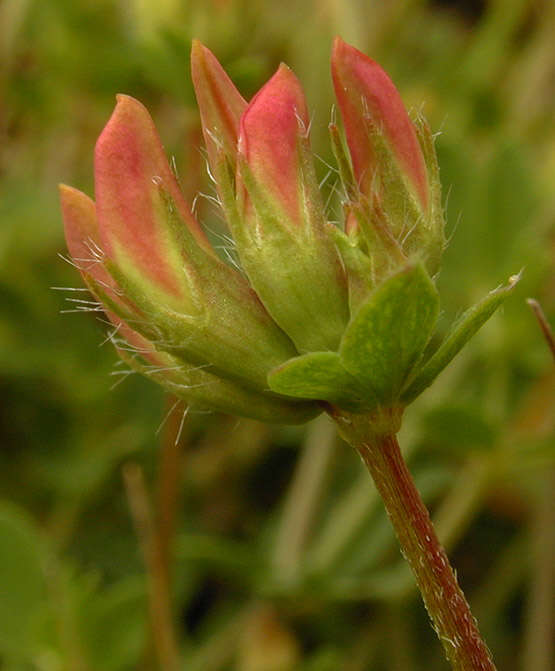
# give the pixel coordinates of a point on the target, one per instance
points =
(319, 318)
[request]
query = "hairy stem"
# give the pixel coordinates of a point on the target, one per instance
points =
(442, 596)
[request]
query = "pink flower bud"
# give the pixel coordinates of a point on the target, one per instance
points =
(130, 169)
(271, 128)
(369, 101)
(281, 239)
(220, 103)
(161, 259)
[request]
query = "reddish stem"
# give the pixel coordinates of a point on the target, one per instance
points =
(443, 598)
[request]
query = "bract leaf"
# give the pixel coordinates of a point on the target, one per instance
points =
(388, 334)
(461, 332)
(319, 375)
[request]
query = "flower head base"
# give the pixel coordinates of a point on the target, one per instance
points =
(322, 314)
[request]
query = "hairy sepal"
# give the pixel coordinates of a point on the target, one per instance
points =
(290, 261)
(201, 389)
(230, 330)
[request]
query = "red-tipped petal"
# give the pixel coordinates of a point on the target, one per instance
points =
(83, 243)
(130, 168)
(220, 103)
(81, 230)
(363, 89)
(268, 139)
(79, 215)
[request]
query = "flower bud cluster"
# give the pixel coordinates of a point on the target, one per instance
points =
(318, 314)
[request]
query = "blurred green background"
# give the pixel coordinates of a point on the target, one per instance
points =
(241, 546)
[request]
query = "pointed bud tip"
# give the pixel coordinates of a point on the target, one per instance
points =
(196, 45)
(66, 192)
(124, 101)
(280, 100)
(127, 115)
(78, 211)
(286, 75)
(82, 237)
(343, 53)
(342, 49)
(198, 53)
(79, 217)
(269, 132)
(283, 68)
(337, 47)
(220, 104)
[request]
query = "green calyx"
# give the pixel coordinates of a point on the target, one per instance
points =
(293, 265)
(383, 362)
(204, 390)
(229, 329)
(380, 347)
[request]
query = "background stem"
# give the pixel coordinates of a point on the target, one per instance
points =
(539, 649)
(302, 499)
(158, 590)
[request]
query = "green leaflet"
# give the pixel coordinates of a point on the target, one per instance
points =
(388, 334)
(319, 375)
(461, 332)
